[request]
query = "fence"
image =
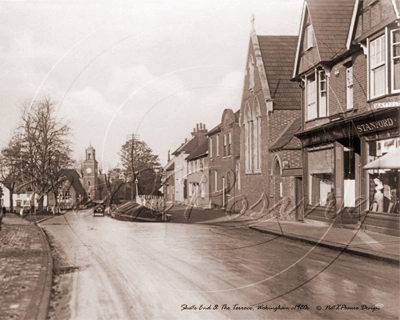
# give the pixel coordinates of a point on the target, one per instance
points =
(155, 203)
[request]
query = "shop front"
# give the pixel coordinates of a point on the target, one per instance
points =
(336, 186)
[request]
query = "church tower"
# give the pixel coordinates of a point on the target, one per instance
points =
(90, 173)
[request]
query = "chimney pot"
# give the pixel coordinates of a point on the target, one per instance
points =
(185, 140)
(201, 126)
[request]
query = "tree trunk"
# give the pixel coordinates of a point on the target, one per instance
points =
(40, 204)
(11, 199)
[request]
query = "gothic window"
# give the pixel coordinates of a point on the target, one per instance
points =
(276, 167)
(252, 128)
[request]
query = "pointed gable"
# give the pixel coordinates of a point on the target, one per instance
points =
(328, 22)
(278, 54)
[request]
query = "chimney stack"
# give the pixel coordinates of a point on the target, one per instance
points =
(169, 155)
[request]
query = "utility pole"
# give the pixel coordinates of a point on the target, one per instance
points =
(130, 138)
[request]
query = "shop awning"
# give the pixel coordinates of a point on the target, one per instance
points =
(390, 160)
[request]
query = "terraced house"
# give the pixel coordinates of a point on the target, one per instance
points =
(348, 65)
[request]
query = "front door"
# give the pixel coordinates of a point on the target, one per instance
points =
(299, 198)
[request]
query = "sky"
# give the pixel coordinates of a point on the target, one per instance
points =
(113, 68)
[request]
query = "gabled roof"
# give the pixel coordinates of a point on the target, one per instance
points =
(287, 135)
(73, 176)
(331, 22)
(199, 152)
(190, 146)
(396, 6)
(278, 54)
(214, 130)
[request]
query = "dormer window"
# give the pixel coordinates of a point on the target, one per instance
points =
(309, 37)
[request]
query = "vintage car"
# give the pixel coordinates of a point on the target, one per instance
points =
(98, 211)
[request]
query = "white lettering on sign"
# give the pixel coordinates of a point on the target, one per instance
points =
(369, 126)
(386, 104)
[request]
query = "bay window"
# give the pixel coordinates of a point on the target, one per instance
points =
(311, 103)
(316, 95)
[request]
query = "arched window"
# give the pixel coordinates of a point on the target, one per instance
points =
(248, 122)
(276, 167)
(257, 135)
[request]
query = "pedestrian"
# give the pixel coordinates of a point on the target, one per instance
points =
(1, 218)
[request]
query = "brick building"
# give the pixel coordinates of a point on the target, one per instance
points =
(269, 111)
(350, 110)
(224, 165)
(180, 163)
(198, 176)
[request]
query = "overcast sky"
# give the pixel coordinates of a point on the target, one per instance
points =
(155, 68)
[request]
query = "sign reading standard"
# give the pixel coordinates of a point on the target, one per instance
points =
(372, 126)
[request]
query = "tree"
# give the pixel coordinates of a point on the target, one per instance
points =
(45, 148)
(136, 156)
(10, 167)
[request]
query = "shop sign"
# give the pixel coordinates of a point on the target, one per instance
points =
(376, 125)
(387, 104)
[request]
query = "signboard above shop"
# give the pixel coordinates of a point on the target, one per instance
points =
(389, 104)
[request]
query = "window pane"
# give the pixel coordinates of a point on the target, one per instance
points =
(322, 105)
(396, 74)
(379, 81)
(396, 36)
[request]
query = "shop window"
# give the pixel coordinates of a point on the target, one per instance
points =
(320, 169)
(384, 184)
(349, 172)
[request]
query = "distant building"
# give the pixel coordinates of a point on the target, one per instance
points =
(224, 165)
(198, 176)
(90, 173)
(180, 163)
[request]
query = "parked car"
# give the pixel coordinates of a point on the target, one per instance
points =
(99, 210)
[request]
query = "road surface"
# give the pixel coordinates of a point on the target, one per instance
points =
(126, 270)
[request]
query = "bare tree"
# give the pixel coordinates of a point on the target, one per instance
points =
(45, 149)
(136, 156)
(10, 167)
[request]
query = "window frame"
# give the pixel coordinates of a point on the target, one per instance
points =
(229, 144)
(392, 59)
(349, 88)
(217, 145)
(318, 90)
(374, 67)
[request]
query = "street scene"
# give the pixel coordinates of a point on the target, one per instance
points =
(200, 160)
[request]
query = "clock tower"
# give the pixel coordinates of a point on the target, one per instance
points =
(90, 173)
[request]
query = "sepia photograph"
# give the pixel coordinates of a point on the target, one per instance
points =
(199, 159)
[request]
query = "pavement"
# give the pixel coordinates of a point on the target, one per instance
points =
(25, 270)
(352, 239)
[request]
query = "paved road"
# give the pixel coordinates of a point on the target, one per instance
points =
(154, 270)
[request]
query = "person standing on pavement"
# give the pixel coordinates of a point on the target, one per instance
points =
(2, 213)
